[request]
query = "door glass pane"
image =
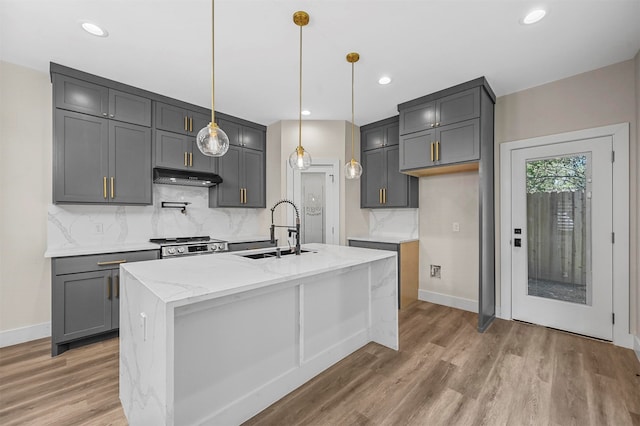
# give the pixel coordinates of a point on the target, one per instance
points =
(313, 208)
(559, 228)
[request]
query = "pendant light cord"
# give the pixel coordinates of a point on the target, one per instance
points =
(353, 124)
(300, 109)
(213, 113)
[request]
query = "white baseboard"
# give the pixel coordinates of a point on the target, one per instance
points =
(24, 334)
(636, 346)
(447, 300)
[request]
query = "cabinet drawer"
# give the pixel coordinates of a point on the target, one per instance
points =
(374, 245)
(75, 264)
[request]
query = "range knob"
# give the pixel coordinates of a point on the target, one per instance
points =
(180, 249)
(171, 250)
(213, 247)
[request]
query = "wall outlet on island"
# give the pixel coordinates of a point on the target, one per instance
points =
(455, 227)
(435, 271)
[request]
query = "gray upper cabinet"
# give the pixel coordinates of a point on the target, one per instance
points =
(100, 161)
(441, 112)
(178, 151)
(242, 168)
(382, 184)
(445, 128)
(89, 98)
(173, 118)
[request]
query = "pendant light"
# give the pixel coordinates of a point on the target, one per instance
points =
(300, 159)
(212, 140)
(353, 169)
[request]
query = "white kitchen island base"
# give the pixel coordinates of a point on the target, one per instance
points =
(233, 335)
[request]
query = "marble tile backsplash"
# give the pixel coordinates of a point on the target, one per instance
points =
(393, 223)
(95, 225)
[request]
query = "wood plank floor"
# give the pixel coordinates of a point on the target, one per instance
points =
(445, 374)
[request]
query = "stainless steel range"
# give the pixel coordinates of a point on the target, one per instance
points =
(189, 246)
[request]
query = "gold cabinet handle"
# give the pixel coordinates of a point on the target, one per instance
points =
(380, 196)
(191, 124)
(384, 195)
(113, 187)
(185, 124)
(186, 163)
(109, 288)
(112, 262)
(104, 187)
(117, 279)
(191, 159)
(437, 151)
(431, 151)
(241, 196)
(245, 195)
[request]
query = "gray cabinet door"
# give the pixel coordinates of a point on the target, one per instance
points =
(458, 107)
(417, 118)
(115, 299)
(227, 194)
(415, 150)
(197, 121)
(254, 178)
(392, 135)
(253, 138)
(198, 161)
(373, 178)
(172, 150)
(233, 131)
(80, 158)
(81, 305)
(459, 142)
(397, 183)
(171, 118)
(80, 96)
(129, 163)
(129, 108)
(373, 138)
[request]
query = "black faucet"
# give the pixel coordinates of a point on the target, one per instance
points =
(290, 229)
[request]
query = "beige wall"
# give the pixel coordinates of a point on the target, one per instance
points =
(25, 191)
(636, 263)
(592, 99)
(356, 219)
(445, 199)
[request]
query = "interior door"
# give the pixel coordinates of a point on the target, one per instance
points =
(562, 236)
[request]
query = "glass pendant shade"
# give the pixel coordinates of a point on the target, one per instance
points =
(300, 159)
(352, 170)
(212, 141)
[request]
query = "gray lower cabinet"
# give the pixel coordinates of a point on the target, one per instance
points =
(96, 160)
(177, 151)
(93, 99)
(242, 168)
(382, 184)
(176, 119)
(85, 302)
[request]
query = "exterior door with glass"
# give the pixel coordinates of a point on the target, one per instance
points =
(561, 238)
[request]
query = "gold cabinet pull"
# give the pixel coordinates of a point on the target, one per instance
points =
(104, 187)
(185, 124)
(113, 187)
(112, 262)
(431, 151)
(191, 124)
(241, 196)
(109, 288)
(191, 159)
(380, 196)
(437, 150)
(245, 195)
(117, 279)
(186, 163)
(384, 195)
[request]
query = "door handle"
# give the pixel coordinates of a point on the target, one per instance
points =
(113, 187)
(241, 196)
(431, 151)
(245, 195)
(437, 149)
(191, 124)
(185, 124)
(117, 279)
(109, 287)
(186, 163)
(380, 196)
(384, 195)
(112, 262)
(104, 187)
(191, 159)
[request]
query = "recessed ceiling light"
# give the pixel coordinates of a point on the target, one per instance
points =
(534, 16)
(384, 80)
(305, 112)
(94, 29)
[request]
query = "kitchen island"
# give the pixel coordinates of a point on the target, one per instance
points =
(216, 339)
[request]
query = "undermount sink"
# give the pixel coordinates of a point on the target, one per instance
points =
(273, 253)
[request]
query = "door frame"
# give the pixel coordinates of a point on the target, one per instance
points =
(621, 285)
(333, 202)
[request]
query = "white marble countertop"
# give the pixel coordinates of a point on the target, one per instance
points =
(107, 248)
(191, 279)
(385, 239)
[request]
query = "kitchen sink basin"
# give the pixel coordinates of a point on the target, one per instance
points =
(273, 253)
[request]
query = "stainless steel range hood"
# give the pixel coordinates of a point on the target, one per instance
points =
(185, 177)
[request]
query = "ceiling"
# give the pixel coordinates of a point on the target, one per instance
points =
(423, 45)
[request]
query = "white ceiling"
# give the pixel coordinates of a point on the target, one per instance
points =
(424, 45)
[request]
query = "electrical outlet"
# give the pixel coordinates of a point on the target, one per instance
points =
(98, 228)
(455, 227)
(435, 271)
